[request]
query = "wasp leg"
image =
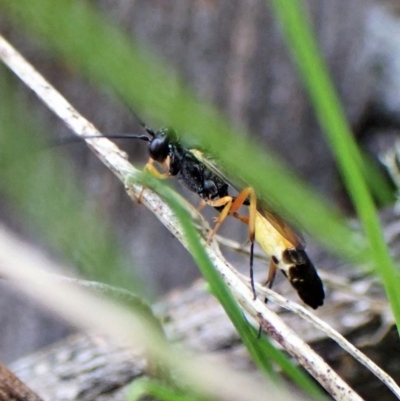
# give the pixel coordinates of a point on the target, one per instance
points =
(269, 282)
(201, 205)
(237, 203)
(153, 171)
(230, 207)
(271, 276)
(226, 202)
(242, 218)
(245, 220)
(251, 221)
(149, 167)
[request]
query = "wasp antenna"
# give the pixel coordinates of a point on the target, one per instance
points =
(126, 136)
(149, 131)
(129, 136)
(138, 119)
(141, 122)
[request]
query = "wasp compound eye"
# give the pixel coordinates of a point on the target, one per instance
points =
(159, 146)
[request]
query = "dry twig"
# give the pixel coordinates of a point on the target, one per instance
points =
(13, 389)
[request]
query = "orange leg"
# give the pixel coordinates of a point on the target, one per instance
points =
(251, 221)
(226, 202)
(242, 218)
(201, 206)
(271, 276)
(153, 171)
(231, 206)
(270, 280)
(149, 167)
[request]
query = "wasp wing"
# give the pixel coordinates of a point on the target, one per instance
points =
(277, 222)
(282, 227)
(215, 168)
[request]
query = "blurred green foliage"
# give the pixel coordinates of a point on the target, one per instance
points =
(80, 35)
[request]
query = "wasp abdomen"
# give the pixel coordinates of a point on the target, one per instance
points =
(304, 278)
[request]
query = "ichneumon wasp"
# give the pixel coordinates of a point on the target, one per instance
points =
(280, 242)
(200, 175)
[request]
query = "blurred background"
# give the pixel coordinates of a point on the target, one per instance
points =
(231, 53)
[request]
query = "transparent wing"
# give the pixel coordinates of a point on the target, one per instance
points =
(262, 206)
(215, 167)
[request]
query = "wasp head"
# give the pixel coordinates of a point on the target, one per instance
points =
(159, 146)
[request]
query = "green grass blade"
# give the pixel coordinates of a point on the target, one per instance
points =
(89, 42)
(379, 184)
(218, 287)
(261, 350)
(141, 81)
(337, 130)
(158, 391)
(45, 191)
(9, 119)
(295, 373)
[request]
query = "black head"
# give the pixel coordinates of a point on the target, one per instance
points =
(160, 143)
